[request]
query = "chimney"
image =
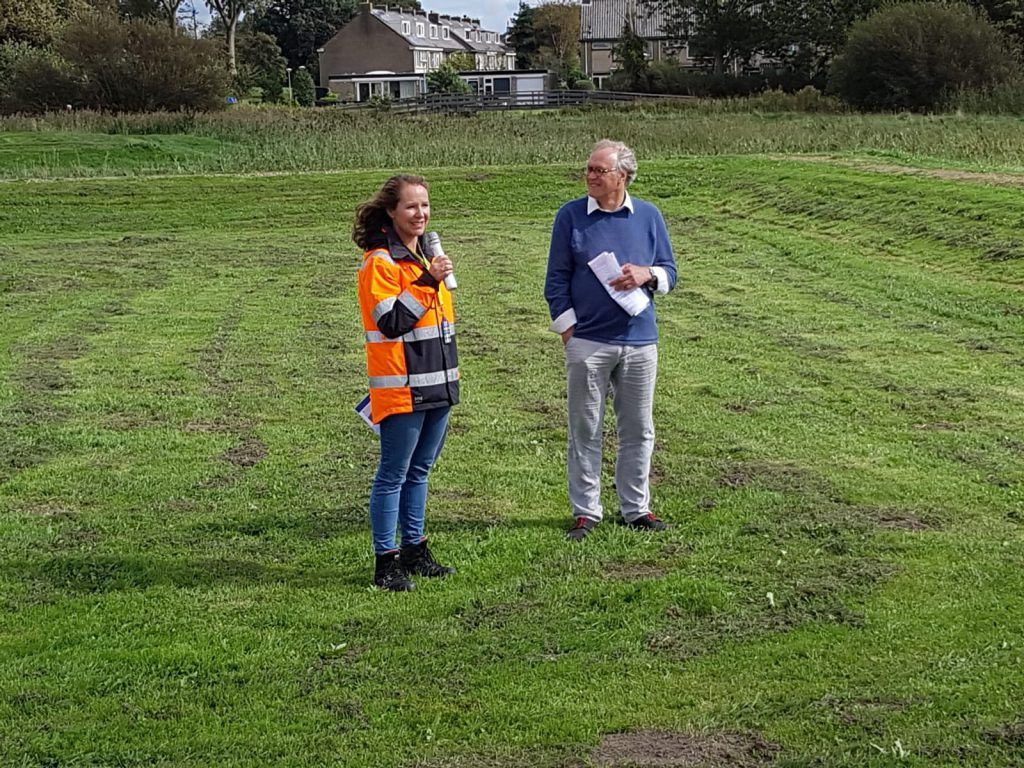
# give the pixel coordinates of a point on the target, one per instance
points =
(434, 18)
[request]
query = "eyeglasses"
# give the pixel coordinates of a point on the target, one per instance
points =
(599, 171)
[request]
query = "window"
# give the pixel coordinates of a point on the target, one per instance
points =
(405, 28)
(444, 33)
(433, 31)
(423, 58)
(419, 29)
(435, 59)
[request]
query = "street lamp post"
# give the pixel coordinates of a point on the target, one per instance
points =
(303, 68)
(291, 97)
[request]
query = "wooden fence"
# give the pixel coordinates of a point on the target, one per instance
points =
(479, 102)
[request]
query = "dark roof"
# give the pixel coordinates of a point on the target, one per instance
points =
(604, 19)
(462, 30)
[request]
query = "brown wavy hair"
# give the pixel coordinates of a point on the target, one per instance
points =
(372, 215)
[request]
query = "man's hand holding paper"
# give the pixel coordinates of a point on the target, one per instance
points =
(630, 296)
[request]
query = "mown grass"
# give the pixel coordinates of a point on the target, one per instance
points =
(256, 141)
(184, 554)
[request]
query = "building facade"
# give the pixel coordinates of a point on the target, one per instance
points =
(391, 40)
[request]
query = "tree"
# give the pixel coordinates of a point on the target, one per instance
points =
(230, 13)
(631, 53)
(28, 21)
(300, 27)
(260, 65)
(556, 28)
(723, 31)
(303, 90)
(805, 34)
(462, 61)
(99, 62)
(1007, 15)
(445, 79)
(523, 38)
(913, 55)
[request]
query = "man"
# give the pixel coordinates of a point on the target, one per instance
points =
(604, 345)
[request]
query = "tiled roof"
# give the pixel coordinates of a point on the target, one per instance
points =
(604, 19)
(462, 30)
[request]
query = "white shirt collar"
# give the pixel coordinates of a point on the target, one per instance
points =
(592, 205)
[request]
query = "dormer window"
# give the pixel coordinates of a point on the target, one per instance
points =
(419, 29)
(433, 31)
(405, 28)
(444, 33)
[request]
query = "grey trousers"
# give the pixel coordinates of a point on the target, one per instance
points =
(591, 367)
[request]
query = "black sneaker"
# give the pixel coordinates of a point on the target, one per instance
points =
(420, 560)
(581, 529)
(647, 522)
(389, 574)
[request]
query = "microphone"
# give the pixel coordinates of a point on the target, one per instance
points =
(434, 241)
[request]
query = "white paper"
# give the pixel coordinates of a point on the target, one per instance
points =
(363, 409)
(606, 267)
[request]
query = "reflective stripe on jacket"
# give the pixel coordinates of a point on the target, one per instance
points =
(409, 326)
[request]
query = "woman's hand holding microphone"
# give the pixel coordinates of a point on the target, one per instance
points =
(440, 265)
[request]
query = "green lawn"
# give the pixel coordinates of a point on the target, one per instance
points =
(184, 551)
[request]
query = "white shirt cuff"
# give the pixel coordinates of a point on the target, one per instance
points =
(662, 275)
(563, 322)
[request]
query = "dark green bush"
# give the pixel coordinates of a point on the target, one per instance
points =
(99, 62)
(35, 79)
(913, 56)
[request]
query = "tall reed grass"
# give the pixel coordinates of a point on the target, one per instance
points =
(255, 140)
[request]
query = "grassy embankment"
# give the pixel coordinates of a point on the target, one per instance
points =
(183, 544)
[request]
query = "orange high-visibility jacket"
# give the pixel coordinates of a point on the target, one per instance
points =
(409, 322)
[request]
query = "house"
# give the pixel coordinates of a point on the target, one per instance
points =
(389, 50)
(601, 24)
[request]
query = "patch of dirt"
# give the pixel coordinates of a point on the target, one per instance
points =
(249, 453)
(478, 177)
(143, 240)
(861, 711)
(664, 749)
(739, 408)
(1010, 734)
(781, 478)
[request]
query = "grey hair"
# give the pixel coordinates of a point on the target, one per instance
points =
(625, 159)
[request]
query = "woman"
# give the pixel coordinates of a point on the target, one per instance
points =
(413, 368)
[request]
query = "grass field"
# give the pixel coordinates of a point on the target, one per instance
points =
(184, 552)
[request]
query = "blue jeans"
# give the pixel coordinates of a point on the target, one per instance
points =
(409, 445)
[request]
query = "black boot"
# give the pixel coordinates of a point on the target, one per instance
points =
(418, 559)
(389, 574)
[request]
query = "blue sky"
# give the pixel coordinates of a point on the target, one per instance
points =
(494, 15)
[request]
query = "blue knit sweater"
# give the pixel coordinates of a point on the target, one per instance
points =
(638, 237)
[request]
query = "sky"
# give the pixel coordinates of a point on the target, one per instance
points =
(494, 15)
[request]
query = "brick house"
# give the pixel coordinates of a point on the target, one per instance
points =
(406, 43)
